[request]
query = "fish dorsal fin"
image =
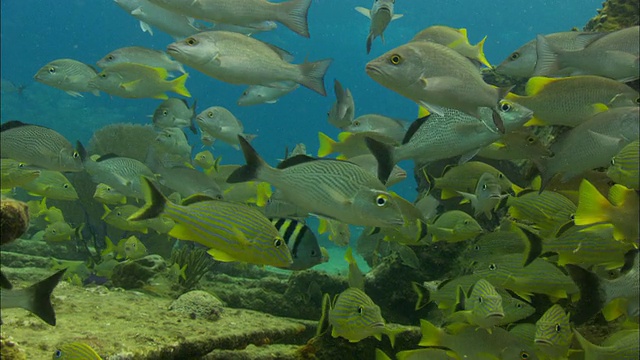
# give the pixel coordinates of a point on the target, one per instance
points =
(414, 128)
(12, 125)
(107, 157)
(295, 160)
(343, 136)
(284, 54)
(463, 32)
(196, 198)
(536, 84)
(447, 168)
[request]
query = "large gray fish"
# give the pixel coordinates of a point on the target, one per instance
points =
(381, 14)
(188, 181)
(69, 75)
(456, 39)
(260, 94)
(440, 137)
(436, 77)
(343, 109)
(38, 146)
(614, 55)
(174, 141)
(335, 189)
(175, 112)
(302, 243)
(121, 173)
(392, 128)
(591, 144)
(176, 25)
(35, 298)
(239, 59)
(221, 124)
(292, 13)
(522, 62)
(140, 55)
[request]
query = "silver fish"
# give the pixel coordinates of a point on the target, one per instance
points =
(149, 14)
(392, 128)
(487, 195)
(69, 75)
(238, 59)
(380, 14)
(221, 124)
(260, 94)
(343, 109)
(140, 55)
(175, 112)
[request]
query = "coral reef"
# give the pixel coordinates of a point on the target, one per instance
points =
(615, 15)
(135, 274)
(198, 304)
(197, 263)
(9, 350)
(14, 219)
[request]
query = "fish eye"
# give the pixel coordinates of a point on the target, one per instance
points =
(277, 242)
(119, 213)
(558, 328)
(395, 59)
(53, 231)
(505, 106)
(21, 165)
(638, 100)
(524, 355)
(210, 114)
(356, 123)
(514, 56)
(500, 176)
(360, 309)
(492, 267)
(484, 186)
(191, 41)
(480, 299)
(381, 200)
(519, 306)
(613, 161)
(572, 217)
(103, 75)
(165, 112)
(477, 247)
(52, 70)
(531, 139)
(466, 222)
(76, 154)
(313, 253)
(108, 188)
(58, 353)
(110, 57)
(66, 186)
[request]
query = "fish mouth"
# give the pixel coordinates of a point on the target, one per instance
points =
(173, 49)
(497, 315)
(384, 8)
(372, 70)
(543, 342)
(377, 325)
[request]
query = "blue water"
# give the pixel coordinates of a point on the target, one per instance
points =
(35, 32)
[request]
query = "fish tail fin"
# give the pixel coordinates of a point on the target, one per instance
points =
(4, 282)
(483, 59)
(533, 244)
(423, 295)
(384, 155)
(293, 14)
(593, 207)
(323, 324)
(40, 297)
(312, 75)
(380, 355)
(547, 62)
(592, 296)
(369, 41)
(155, 202)
(590, 350)
(253, 166)
(178, 85)
(192, 126)
(348, 256)
(430, 181)
(431, 335)
(326, 144)
(109, 247)
(82, 152)
(263, 193)
(391, 333)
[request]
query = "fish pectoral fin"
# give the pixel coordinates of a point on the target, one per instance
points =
(396, 16)
(241, 237)
(74, 93)
(221, 255)
(364, 11)
(129, 86)
(434, 109)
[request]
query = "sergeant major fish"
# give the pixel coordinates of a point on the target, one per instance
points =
(302, 242)
(381, 14)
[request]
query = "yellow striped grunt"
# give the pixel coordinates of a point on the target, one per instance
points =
(75, 351)
(53, 185)
(622, 345)
(553, 333)
(231, 231)
(481, 306)
(108, 195)
(13, 173)
(350, 144)
(354, 316)
(454, 226)
(548, 210)
(335, 189)
(624, 166)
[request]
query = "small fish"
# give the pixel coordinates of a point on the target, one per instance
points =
(613, 55)
(69, 75)
(624, 166)
(355, 277)
(13, 173)
(292, 13)
(227, 56)
(140, 55)
(276, 206)
(343, 109)
(339, 232)
(35, 298)
(61, 231)
(613, 297)
(621, 209)
(464, 177)
(418, 354)
(206, 160)
(266, 94)
(350, 144)
(572, 100)
(301, 241)
(590, 145)
(222, 124)
(515, 309)
(437, 77)
(487, 196)
(516, 145)
(380, 14)
(469, 343)
(75, 351)
(414, 229)
(176, 25)
(118, 216)
(131, 248)
(507, 239)
(53, 185)
(174, 141)
(522, 62)
(393, 128)
(621, 345)
(548, 211)
(188, 181)
(231, 231)
(481, 306)
(108, 195)
(455, 39)
(553, 333)
(435, 137)
(251, 192)
(38, 146)
(175, 113)
(335, 189)
(454, 226)
(129, 80)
